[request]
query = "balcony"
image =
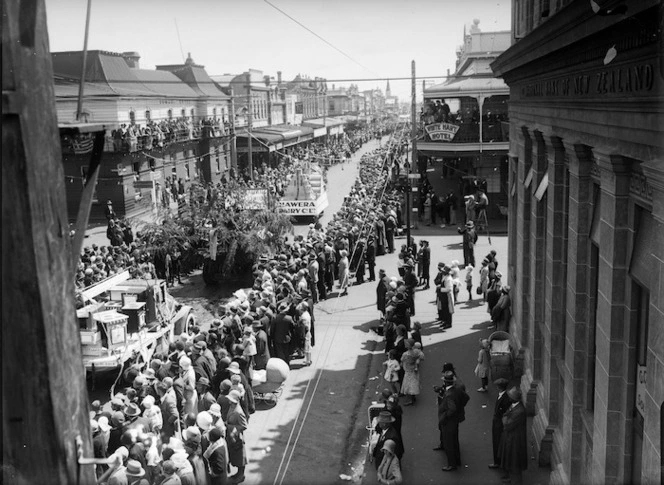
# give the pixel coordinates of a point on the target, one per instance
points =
(155, 135)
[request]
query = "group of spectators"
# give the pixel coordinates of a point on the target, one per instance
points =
(182, 416)
(133, 137)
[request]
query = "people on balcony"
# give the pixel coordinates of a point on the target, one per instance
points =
(135, 137)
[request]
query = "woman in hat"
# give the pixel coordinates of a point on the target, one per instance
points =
(386, 431)
(493, 292)
(513, 449)
(502, 312)
(344, 272)
(444, 296)
(389, 470)
(410, 362)
(236, 421)
(217, 459)
(482, 367)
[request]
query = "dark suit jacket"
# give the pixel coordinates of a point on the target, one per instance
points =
(390, 434)
(281, 328)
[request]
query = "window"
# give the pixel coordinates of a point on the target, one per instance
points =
(191, 113)
(218, 163)
(151, 164)
(136, 167)
(170, 114)
(183, 112)
(132, 117)
(148, 115)
(214, 112)
(187, 172)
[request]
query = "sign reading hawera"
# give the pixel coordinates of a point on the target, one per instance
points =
(441, 131)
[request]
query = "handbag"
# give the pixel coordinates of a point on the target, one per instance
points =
(478, 290)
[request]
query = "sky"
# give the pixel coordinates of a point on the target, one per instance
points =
(377, 38)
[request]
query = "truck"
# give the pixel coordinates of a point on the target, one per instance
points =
(306, 194)
(125, 320)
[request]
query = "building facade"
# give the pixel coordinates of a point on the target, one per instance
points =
(174, 130)
(586, 233)
(465, 130)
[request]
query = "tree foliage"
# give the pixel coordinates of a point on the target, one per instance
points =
(242, 234)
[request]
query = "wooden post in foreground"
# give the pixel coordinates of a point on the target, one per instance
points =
(44, 398)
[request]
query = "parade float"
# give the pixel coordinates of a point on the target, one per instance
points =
(305, 197)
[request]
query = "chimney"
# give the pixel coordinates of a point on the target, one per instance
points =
(131, 58)
(266, 78)
(278, 77)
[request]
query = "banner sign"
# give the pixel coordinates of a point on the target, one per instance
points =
(298, 207)
(441, 131)
(255, 199)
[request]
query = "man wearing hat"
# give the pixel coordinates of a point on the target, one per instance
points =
(135, 473)
(282, 333)
(205, 397)
(513, 449)
(217, 458)
(503, 403)
(200, 361)
(469, 241)
(494, 292)
(450, 409)
(410, 281)
(170, 476)
(444, 295)
(168, 407)
(262, 345)
(387, 431)
(502, 312)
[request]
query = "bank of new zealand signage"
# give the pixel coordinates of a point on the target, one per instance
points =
(441, 131)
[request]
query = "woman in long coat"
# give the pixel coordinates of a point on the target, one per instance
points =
(513, 449)
(381, 240)
(344, 272)
(236, 422)
(444, 296)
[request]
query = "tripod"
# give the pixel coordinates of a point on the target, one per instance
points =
(482, 223)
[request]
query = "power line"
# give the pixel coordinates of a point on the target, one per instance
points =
(314, 33)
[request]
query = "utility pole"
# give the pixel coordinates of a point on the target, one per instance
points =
(81, 86)
(413, 156)
(232, 133)
(250, 119)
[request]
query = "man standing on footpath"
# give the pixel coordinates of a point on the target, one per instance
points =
(513, 451)
(469, 241)
(503, 403)
(450, 411)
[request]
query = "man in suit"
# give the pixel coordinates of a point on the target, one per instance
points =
(503, 403)
(168, 407)
(513, 450)
(385, 427)
(450, 412)
(281, 331)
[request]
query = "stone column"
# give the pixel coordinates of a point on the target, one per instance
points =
(611, 421)
(576, 303)
(539, 390)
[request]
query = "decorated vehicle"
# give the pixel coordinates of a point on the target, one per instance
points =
(126, 320)
(306, 194)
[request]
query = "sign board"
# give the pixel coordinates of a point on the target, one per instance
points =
(255, 199)
(143, 184)
(155, 175)
(441, 131)
(640, 398)
(304, 207)
(414, 176)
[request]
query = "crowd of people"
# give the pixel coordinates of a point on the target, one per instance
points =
(133, 137)
(182, 416)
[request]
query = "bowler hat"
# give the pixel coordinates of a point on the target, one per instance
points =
(501, 383)
(470, 224)
(385, 417)
(448, 377)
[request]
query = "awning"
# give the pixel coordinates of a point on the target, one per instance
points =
(326, 122)
(318, 132)
(290, 134)
(261, 141)
(486, 86)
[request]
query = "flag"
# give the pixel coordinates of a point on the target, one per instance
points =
(82, 144)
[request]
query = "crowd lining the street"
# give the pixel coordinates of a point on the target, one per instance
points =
(183, 415)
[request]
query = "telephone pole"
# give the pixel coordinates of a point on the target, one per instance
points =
(250, 119)
(413, 156)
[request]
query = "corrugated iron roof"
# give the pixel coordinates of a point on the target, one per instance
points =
(164, 83)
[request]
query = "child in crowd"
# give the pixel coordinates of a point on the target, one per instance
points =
(415, 334)
(249, 345)
(236, 385)
(392, 368)
(153, 414)
(455, 273)
(469, 281)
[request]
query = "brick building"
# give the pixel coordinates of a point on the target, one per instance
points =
(586, 231)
